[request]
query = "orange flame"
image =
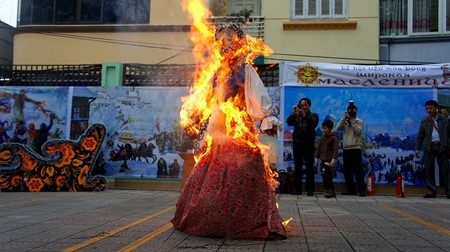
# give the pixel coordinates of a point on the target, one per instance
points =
(286, 222)
(203, 102)
(208, 140)
(198, 106)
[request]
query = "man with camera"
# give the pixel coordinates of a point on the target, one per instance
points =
(305, 123)
(352, 154)
(434, 137)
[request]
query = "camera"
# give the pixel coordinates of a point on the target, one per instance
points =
(351, 110)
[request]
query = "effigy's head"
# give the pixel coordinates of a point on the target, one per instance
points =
(231, 36)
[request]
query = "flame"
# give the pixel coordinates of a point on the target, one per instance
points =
(197, 107)
(208, 140)
(204, 100)
(286, 222)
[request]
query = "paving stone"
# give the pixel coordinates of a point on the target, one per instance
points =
(17, 246)
(373, 247)
(195, 243)
(167, 241)
(56, 221)
(51, 247)
(328, 246)
(419, 248)
(242, 245)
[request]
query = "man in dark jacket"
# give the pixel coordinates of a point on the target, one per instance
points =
(305, 123)
(433, 136)
(42, 136)
(174, 169)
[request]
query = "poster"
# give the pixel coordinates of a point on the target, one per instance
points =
(390, 101)
(33, 115)
(143, 131)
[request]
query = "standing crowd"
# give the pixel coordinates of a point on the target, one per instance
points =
(433, 138)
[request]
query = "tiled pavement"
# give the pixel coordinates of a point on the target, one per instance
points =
(138, 220)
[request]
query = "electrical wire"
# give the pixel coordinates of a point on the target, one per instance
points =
(181, 48)
(113, 41)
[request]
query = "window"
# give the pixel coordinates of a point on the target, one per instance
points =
(393, 17)
(76, 112)
(319, 9)
(126, 11)
(239, 5)
(84, 12)
(113, 11)
(25, 12)
(425, 16)
(414, 17)
(42, 12)
(227, 7)
(447, 18)
(66, 11)
(91, 11)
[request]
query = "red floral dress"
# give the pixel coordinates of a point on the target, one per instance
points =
(228, 195)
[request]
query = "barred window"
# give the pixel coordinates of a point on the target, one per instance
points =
(319, 9)
(414, 17)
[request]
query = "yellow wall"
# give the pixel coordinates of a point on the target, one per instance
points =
(33, 48)
(361, 43)
(167, 12)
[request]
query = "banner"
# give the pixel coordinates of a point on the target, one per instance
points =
(391, 120)
(376, 76)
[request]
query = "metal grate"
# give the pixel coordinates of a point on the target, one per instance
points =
(51, 75)
(158, 75)
(182, 75)
(134, 75)
(269, 74)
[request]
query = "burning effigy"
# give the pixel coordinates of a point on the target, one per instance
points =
(230, 191)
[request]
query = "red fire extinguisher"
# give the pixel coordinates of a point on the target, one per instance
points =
(370, 185)
(400, 186)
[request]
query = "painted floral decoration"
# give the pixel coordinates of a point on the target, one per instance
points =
(307, 74)
(35, 184)
(64, 166)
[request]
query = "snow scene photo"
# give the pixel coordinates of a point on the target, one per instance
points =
(144, 135)
(391, 118)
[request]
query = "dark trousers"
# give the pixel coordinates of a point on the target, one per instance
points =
(446, 175)
(353, 169)
(303, 154)
(441, 157)
(327, 176)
